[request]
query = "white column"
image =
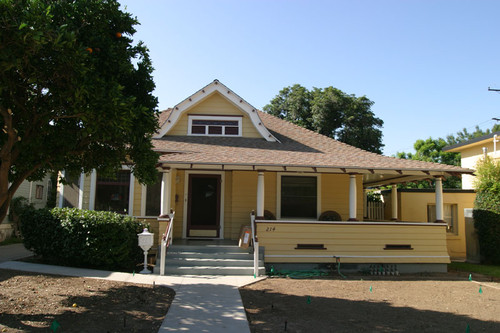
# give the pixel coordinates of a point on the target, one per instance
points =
(394, 202)
(80, 190)
(93, 183)
(352, 198)
(165, 192)
(260, 194)
(131, 195)
(439, 200)
(61, 191)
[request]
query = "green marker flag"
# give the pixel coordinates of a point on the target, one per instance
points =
(133, 272)
(371, 289)
(467, 329)
(308, 299)
(55, 325)
(480, 290)
(254, 276)
(470, 277)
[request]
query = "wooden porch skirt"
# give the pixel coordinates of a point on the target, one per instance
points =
(352, 242)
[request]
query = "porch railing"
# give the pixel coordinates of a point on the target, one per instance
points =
(166, 241)
(255, 243)
(375, 211)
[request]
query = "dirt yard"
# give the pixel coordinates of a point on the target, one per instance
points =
(445, 303)
(31, 302)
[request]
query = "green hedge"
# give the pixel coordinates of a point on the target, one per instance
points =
(83, 238)
(487, 224)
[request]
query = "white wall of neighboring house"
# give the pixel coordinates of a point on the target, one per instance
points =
(472, 154)
(36, 192)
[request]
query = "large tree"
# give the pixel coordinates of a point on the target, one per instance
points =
(331, 112)
(431, 150)
(75, 92)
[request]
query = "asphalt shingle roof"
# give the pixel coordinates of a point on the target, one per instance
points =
(297, 147)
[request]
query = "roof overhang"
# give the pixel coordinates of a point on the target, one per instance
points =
(371, 177)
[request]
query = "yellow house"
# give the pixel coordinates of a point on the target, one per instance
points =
(474, 150)
(221, 159)
(419, 205)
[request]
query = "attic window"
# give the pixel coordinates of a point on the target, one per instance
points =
(214, 125)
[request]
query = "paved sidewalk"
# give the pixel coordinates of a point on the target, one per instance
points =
(201, 304)
(13, 252)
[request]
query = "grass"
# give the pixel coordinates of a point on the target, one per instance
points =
(12, 240)
(489, 270)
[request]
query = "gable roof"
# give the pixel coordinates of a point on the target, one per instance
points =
(294, 149)
(474, 142)
(168, 121)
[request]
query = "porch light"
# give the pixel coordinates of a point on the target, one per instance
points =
(145, 243)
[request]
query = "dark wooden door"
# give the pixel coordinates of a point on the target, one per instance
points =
(203, 218)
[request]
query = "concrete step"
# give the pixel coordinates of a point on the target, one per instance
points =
(209, 260)
(211, 270)
(226, 262)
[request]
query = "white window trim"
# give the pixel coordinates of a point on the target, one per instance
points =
(202, 117)
(278, 194)
(93, 186)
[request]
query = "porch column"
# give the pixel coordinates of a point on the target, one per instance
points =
(352, 198)
(439, 199)
(93, 181)
(61, 191)
(260, 194)
(394, 202)
(165, 193)
(81, 185)
(131, 195)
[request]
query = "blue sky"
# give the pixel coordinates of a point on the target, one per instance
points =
(427, 65)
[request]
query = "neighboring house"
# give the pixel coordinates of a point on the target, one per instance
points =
(470, 153)
(221, 159)
(36, 194)
(474, 150)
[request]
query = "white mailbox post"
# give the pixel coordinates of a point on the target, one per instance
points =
(145, 243)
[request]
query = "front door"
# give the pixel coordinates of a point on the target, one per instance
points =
(203, 213)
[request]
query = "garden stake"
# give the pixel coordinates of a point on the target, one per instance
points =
(480, 290)
(467, 329)
(371, 289)
(470, 277)
(308, 299)
(133, 272)
(55, 325)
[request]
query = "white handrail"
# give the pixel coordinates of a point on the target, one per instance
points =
(166, 241)
(255, 242)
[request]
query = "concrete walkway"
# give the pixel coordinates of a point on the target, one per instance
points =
(13, 252)
(201, 304)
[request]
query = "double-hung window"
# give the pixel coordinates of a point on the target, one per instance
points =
(450, 216)
(298, 197)
(112, 194)
(214, 125)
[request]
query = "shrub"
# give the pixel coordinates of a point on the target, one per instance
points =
(487, 224)
(84, 238)
(330, 215)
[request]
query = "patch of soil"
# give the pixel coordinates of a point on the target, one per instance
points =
(31, 302)
(364, 304)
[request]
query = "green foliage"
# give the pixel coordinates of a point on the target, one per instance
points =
(431, 150)
(490, 270)
(83, 238)
(487, 184)
(487, 225)
(75, 92)
(17, 206)
(331, 112)
(464, 135)
(374, 196)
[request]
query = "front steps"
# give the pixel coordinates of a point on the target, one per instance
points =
(210, 259)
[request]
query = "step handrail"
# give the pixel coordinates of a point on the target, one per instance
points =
(166, 241)
(255, 242)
